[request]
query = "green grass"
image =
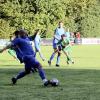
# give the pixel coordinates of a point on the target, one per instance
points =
(80, 81)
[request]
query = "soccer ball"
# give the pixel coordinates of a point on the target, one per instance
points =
(54, 82)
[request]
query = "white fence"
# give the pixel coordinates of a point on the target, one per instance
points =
(3, 42)
(90, 40)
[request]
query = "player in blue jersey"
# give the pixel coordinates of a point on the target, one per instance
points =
(25, 53)
(57, 36)
(37, 41)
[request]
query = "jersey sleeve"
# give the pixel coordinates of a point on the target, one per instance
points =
(15, 42)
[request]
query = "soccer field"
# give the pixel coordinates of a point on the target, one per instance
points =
(79, 81)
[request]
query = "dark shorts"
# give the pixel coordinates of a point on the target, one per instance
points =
(54, 45)
(30, 62)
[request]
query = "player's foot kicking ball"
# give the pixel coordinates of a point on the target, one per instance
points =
(47, 83)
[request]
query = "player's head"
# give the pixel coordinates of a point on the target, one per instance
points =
(60, 24)
(16, 33)
(63, 36)
(22, 33)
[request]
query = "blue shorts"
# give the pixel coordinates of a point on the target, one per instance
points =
(30, 62)
(54, 45)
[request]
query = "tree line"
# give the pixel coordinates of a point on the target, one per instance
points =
(77, 15)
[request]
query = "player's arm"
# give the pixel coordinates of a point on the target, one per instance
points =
(6, 47)
(10, 45)
(32, 37)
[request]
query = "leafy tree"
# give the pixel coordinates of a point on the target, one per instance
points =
(78, 15)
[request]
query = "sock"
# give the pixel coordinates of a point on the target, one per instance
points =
(52, 56)
(42, 74)
(58, 60)
(21, 74)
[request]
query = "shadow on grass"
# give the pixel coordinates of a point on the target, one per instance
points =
(74, 84)
(61, 74)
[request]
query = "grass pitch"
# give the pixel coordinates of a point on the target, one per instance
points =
(79, 81)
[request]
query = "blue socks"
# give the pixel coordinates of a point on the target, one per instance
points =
(42, 74)
(52, 56)
(21, 74)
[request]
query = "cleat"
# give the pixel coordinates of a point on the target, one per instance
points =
(47, 83)
(14, 80)
(57, 65)
(49, 62)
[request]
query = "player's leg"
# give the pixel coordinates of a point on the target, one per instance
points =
(20, 75)
(68, 55)
(31, 62)
(42, 57)
(42, 75)
(58, 56)
(35, 51)
(58, 59)
(35, 64)
(53, 54)
(37, 48)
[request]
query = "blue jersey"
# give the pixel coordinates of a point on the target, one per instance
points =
(22, 47)
(58, 33)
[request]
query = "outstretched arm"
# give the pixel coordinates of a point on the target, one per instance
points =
(6, 47)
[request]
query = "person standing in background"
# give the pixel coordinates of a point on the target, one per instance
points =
(37, 42)
(57, 36)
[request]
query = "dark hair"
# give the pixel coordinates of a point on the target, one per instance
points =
(63, 35)
(16, 33)
(23, 32)
(60, 21)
